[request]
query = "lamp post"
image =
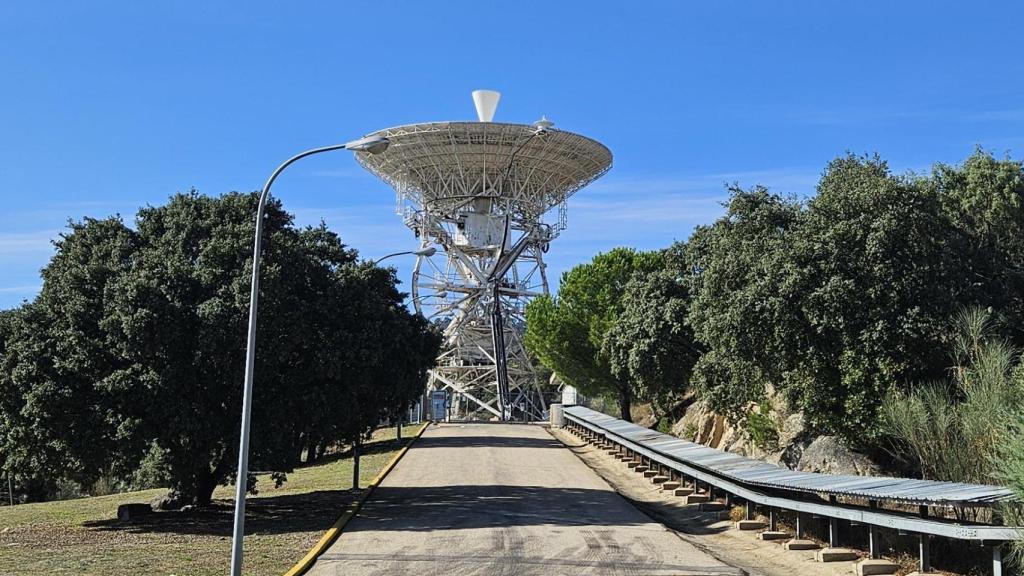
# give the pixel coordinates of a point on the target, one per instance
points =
(427, 251)
(373, 145)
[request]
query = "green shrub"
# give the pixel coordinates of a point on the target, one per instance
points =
(762, 429)
(1011, 474)
(664, 425)
(959, 430)
(153, 471)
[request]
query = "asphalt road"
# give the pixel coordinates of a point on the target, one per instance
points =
(504, 499)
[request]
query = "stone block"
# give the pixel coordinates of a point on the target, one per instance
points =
(659, 479)
(670, 485)
(640, 468)
(683, 491)
(798, 544)
(870, 567)
(650, 473)
(750, 525)
(695, 499)
(632, 464)
(768, 535)
(129, 512)
(712, 507)
(835, 555)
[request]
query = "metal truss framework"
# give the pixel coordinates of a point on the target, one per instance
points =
(479, 192)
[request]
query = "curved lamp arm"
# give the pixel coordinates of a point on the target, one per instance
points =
(427, 251)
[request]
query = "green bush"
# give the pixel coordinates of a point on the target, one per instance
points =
(153, 471)
(762, 429)
(960, 430)
(1011, 474)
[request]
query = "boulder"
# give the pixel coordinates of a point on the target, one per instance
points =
(129, 512)
(792, 430)
(828, 455)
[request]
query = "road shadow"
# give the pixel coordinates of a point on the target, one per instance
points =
(459, 507)
(313, 511)
(482, 441)
(401, 509)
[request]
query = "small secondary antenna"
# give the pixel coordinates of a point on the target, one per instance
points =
(486, 102)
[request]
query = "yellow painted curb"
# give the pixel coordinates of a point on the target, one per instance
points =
(334, 531)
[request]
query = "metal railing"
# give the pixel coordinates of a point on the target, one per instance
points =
(598, 428)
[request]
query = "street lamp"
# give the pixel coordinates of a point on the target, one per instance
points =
(440, 295)
(428, 252)
(371, 144)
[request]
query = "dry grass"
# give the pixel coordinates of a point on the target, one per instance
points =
(83, 537)
(737, 513)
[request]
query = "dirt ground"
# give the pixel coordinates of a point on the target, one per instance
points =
(704, 530)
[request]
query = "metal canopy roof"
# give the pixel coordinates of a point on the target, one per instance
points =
(762, 474)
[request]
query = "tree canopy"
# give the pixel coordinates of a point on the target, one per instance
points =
(135, 346)
(567, 332)
(835, 301)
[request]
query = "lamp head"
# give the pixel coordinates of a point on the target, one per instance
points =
(428, 251)
(371, 144)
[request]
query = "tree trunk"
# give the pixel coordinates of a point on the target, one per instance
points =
(311, 450)
(204, 490)
(298, 441)
(625, 404)
(207, 483)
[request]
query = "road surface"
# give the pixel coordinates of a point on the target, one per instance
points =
(504, 499)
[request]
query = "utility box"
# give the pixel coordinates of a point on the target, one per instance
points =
(439, 405)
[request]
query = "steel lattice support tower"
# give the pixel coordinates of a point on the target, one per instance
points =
(490, 197)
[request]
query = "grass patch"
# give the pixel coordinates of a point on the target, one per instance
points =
(83, 536)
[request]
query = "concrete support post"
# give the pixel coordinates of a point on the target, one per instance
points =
(749, 511)
(773, 520)
(833, 526)
(728, 499)
(924, 562)
(874, 546)
(997, 560)
(799, 526)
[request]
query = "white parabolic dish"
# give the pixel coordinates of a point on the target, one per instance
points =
(445, 162)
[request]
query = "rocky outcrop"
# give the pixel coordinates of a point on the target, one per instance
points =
(794, 446)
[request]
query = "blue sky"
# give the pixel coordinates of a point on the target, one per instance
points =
(106, 107)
